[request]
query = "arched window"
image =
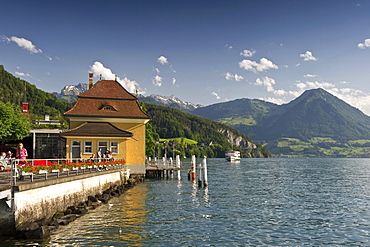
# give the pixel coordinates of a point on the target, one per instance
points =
(108, 108)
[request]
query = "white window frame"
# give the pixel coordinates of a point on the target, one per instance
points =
(116, 146)
(75, 146)
(88, 146)
(100, 146)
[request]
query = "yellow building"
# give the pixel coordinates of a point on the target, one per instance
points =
(106, 117)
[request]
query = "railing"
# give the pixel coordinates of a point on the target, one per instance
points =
(57, 167)
(163, 162)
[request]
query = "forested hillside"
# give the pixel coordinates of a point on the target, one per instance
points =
(40, 103)
(213, 138)
(315, 124)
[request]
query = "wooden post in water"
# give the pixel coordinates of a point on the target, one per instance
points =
(200, 175)
(205, 171)
(193, 174)
(178, 165)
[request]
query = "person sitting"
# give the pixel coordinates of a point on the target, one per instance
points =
(92, 158)
(9, 155)
(3, 161)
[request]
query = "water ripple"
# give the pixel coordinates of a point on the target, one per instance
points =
(257, 202)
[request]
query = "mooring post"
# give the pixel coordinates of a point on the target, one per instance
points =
(193, 174)
(178, 165)
(200, 175)
(205, 171)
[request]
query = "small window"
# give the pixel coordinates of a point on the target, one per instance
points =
(114, 147)
(88, 147)
(108, 108)
(103, 145)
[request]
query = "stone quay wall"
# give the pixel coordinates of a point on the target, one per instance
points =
(41, 201)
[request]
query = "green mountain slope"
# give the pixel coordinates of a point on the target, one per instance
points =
(213, 138)
(317, 113)
(294, 128)
(216, 138)
(242, 111)
(40, 102)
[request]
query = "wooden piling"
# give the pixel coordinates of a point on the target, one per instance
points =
(205, 172)
(178, 165)
(200, 175)
(193, 173)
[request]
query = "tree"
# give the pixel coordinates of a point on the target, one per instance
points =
(149, 136)
(13, 125)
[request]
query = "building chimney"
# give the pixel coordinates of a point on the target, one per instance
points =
(90, 80)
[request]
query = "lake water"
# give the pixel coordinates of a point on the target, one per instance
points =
(266, 202)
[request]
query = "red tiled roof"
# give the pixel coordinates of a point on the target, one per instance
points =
(96, 129)
(107, 99)
(108, 89)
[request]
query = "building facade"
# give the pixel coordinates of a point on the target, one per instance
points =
(106, 117)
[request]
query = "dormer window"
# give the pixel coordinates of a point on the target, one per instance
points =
(108, 108)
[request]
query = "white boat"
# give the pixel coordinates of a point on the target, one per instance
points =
(232, 155)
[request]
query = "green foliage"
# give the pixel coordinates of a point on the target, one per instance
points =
(40, 102)
(320, 147)
(13, 125)
(150, 136)
(312, 119)
(170, 123)
(181, 140)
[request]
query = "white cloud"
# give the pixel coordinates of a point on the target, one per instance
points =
(316, 84)
(247, 53)
(301, 85)
(98, 69)
(23, 43)
(254, 66)
(173, 81)
(157, 81)
(215, 94)
(309, 75)
(22, 74)
(273, 100)
(279, 92)
(364, 45)
(308, 56)
(171, 67)
(229, 46)
(157, 70)
(354, 97)
(343, 82)
(269, 84)
(162, 60)
(236, 77)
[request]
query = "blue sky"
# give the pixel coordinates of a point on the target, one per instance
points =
(203, 52)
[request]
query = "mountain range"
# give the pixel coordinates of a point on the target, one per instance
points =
(69, 94)
(314, 124)
(316, 113)
(190, 134)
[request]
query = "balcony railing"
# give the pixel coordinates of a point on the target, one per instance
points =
(19, 170)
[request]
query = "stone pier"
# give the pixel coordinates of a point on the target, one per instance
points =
(40, 201)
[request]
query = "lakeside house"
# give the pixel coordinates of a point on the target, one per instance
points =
(106, 117)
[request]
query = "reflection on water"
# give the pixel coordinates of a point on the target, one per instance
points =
(120, 222)
(133, 216)
(257, 202)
